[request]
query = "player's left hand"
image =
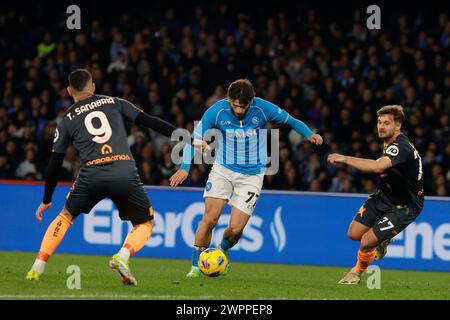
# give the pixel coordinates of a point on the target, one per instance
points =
(178, 177)
(316, 139)
(336, 158)
(40, 210)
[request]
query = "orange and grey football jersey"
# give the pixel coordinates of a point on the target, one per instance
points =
(403, 182)
(96, 128)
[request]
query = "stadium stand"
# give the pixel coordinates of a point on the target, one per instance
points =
(174, 62)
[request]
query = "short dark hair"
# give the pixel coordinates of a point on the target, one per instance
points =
(395, 110)
(241, 89)
(79, 79)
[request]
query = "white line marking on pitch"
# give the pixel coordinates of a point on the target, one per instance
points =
(101, 296)
(25, 296)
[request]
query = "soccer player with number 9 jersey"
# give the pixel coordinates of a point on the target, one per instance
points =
(95, 125)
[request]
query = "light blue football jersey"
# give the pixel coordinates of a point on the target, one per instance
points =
(242, 143)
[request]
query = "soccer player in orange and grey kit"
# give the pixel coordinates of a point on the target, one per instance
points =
(95, 125)
(399, 199)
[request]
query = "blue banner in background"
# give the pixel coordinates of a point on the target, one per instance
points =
(288, 228)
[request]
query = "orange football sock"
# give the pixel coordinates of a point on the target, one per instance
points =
(364, 260)
(138, 237)
(53, 236)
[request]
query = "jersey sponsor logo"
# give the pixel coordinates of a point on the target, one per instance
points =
(392, 151)
(241, 133)
(106, 149)
(118, 157)
(56, 136)
(225, 122)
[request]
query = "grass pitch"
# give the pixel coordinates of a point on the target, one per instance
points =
(165, 279)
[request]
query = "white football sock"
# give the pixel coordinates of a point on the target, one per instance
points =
(39, 266)
(124, 253)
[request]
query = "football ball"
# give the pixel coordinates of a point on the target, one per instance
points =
(212, 262)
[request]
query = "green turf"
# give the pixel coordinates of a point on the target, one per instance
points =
(165, 279)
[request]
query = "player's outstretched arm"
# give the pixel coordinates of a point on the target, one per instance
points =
(132, 113)
(155, 123)
(51, 179)
(365, 165)
(281, 116)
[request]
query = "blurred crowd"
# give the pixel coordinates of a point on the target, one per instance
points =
(333, 75)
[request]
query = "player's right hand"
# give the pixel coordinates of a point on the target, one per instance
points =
(41, 209)
(178, 177)
(336, 158)
(200, 145)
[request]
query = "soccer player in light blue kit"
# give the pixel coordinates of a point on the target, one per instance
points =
(237, 174)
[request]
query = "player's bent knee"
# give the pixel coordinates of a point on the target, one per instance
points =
(355, 236)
